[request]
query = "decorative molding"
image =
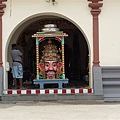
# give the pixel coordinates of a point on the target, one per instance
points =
(2, 6)
(95, 11)
(95, 5)
(49, 91)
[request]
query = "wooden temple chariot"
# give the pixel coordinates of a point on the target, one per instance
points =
(41, 36)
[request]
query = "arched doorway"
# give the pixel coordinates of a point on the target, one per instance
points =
(76, 49)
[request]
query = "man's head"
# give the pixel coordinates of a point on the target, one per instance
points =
(14, 46)
(50, 64)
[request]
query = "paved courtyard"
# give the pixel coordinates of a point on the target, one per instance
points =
(60, 110)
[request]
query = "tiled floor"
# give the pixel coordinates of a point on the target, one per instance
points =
(71, 84)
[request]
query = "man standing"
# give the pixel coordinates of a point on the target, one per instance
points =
(17, 68)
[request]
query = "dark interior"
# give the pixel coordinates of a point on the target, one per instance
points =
(76, 52)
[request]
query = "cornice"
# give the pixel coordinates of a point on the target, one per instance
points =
(95, 1)
(2, 6)
(95, 6)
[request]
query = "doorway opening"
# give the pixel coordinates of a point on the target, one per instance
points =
(76, 51)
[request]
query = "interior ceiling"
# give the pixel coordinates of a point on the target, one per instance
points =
(62, 24)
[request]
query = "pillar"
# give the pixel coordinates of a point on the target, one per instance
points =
(37, 58)
(97, 73)
(2, 6)
(63, 59)
(95, 11)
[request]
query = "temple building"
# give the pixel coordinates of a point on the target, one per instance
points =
(70, 48)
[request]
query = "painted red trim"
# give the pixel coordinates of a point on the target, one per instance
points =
(10, 92)
(37, 91)
(18, 91)
(89, 90)
(28, 91)
(63, 91)
(49, 91)
(46, 91)
(72, 90)
(55, 91)
(95, 11)
(3, 0)
(80, 90)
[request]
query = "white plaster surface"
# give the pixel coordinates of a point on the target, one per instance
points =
(20, 13)
(17, 12)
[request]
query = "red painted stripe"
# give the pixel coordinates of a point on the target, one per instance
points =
(9, 91)
(18, 91)
(37, 91)
(55, 91)
(46, 91)
(72, 90)
(80, 90)
(28, 92)
(64, 91)
(89, 90)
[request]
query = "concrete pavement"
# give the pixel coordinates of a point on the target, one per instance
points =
(59, 110)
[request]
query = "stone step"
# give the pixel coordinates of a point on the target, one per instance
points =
(52, 97)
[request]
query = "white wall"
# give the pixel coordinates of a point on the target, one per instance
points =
(110, 33)
(19, 11)
(78, 11)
